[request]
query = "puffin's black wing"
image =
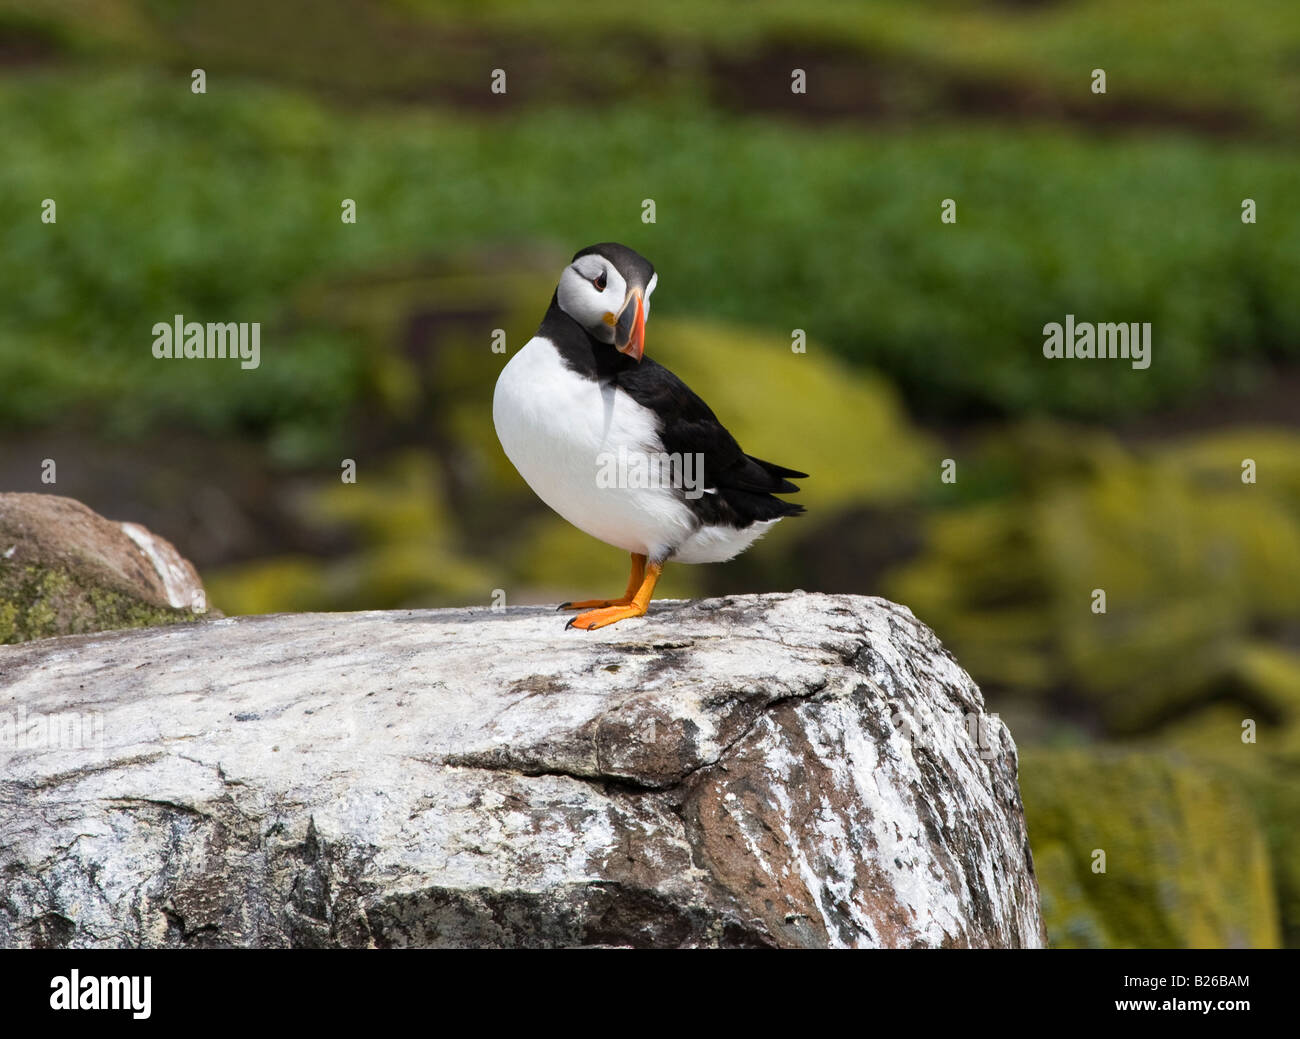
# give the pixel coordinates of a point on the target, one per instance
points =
(744, 485)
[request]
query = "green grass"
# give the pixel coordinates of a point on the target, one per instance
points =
(1236, 61)
(221, 206)
(1185, 53)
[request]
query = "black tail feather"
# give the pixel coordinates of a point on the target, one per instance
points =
(781, 475)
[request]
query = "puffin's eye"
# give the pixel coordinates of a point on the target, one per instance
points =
(600, 281)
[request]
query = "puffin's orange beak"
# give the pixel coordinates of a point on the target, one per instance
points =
(629, 332)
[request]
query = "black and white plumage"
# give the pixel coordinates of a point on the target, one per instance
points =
(581, 391)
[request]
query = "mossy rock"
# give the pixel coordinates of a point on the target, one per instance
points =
(1252, 738)
(1186, 861)
(1192, 561)
(66, 570)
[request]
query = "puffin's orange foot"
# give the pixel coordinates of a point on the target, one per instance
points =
(593, 604)
(634, 583)
(607, 615)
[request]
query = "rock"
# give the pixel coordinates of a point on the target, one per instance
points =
(805, 770)
(1185, 863)
(65, 569)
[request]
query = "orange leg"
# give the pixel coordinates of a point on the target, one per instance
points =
(633, 583)
(639, 603)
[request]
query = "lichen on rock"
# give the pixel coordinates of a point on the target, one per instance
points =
(66, 570)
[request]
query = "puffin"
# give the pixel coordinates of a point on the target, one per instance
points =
(620, 446)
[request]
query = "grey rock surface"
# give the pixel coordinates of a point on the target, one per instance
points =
(803, 770)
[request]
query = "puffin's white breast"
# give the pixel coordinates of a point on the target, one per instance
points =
(560, 428)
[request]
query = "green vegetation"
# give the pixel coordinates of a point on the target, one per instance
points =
(1202, 62)
(1195, 565)
(1157, 855)
(224, 206)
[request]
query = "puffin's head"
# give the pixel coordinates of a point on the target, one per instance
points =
(606, 289)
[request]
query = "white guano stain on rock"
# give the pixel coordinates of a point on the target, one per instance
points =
(762, 770)
(179, 580)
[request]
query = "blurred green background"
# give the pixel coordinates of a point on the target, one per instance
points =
(775, 211)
